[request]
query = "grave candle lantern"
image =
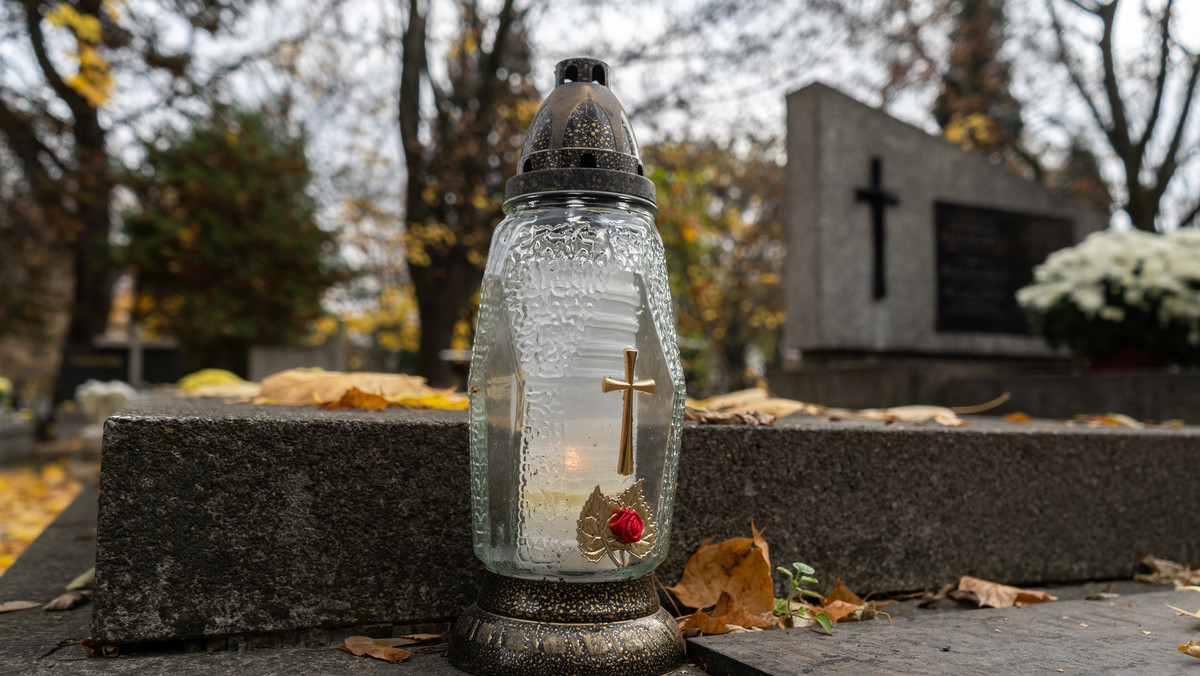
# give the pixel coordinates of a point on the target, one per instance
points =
(576, 408)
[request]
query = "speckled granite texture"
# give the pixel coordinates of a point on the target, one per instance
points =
(220, 519)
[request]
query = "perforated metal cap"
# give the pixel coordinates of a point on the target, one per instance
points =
(580, 139)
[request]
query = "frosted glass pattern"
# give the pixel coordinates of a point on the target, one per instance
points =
(571, 282)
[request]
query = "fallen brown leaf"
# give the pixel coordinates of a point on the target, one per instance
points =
(980, 408)
(724, 615)
(841, 593)
(914, 414)
(704, 415)
(969, 598)
(12, 606)
(929, 597)
(94, 649)
(837, 610)
(1110, 420)
(1017, 417)
(1185, 612)
(733, 400)
(759, 401)
(1167, 573)
(1001, 595)
(84, 581)
(381, 648)
(69, 600)
(843, 605)
(1191, 648)
(299, 387)
(421, 638)
(761, 543)
(356, 398)
(737, 566)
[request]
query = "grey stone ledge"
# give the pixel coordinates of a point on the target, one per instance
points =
(221, 520)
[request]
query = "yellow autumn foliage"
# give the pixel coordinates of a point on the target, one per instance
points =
(298, 387)
(94, 80)
(85, 26)
(969, 131)
(30, 498)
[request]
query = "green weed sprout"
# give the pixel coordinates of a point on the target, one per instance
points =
(802, 576)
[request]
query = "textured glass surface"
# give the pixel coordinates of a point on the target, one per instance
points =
(571, 282)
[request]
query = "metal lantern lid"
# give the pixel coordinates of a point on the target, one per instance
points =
(580, 139)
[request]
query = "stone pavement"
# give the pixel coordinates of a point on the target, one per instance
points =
(1131, 634)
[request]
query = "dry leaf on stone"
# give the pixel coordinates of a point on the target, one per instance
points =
(914, 414)
(704, 415)
(1191, 648)
(242, 390)
(726, 615)
(421, 638)
(843, 605)
(84, 581)
(1017, 417)
(733, 400)
(1168, 573)
(299, 387)
(1110, 420)
(1001, 595)
(69, 600)
(738, 566)
(841, 593)
(382, 648)
(839, 610)
(759, 401)
(756, 402)
(12, 606)
(356, 398)
(1181, 610)
(985, 406)
(94, 649)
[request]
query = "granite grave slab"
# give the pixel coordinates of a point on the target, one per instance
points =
(219, 520)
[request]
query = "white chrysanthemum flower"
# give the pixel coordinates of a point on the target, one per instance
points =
(1089, 298)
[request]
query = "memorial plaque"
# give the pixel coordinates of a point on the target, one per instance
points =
(983, 257)
(85, 362)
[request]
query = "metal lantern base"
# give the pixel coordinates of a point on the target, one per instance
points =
(542, 627)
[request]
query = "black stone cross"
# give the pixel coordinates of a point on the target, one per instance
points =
(878, 198)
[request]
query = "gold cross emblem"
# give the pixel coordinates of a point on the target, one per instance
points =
(628, 386)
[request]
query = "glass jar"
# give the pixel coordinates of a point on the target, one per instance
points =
(573, 282)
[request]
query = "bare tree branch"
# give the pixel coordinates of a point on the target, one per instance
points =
(1091, 7)
(1191, 215)
(1118, 131)
(1170, 164)
(412, 65)
(489, 85)
(33, 23)
(1072, 67)
(18, 129)
(1160, 80)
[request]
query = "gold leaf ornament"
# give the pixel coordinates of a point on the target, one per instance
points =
(596, 539)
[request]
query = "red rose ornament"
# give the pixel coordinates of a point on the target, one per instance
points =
(626, 525)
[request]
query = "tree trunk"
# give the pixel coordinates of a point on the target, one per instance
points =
(1141, 207)
(93, 269)
(443, 289)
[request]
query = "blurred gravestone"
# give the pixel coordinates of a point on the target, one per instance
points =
(904, 255)
(110, 359)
